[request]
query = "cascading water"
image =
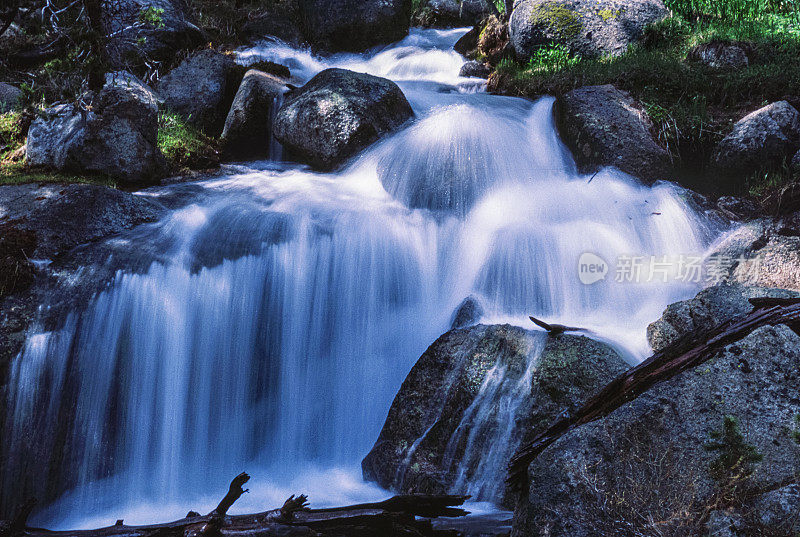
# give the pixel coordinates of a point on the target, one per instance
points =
(291, 304)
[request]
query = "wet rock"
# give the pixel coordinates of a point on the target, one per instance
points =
(720, 55)
(116, 138)
(762, 253)
(711, 307)
(586, 27)
(469, 312)
(354, 25)
(654, 457)
(248, 127)
(16, 249)
(337, 114)
(9, 97)
(202, 88)
(64, 216)
(475, 69)
(456, 12)
(766, 138)
(605, 127)
(149, 29)
(468, 42)
(725, 524)
(779, 510)
(738, 209)
(446, 421)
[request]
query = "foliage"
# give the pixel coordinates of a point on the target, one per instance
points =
(736, 457)
(183, 145)
(11, 136)
(552, 59)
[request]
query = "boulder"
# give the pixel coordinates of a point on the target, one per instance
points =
(720, 55)
(9, 97)
(457, 12)
(337, 114)
(277, 22)
(780, 509)
(475, 69)
(763, 139)
(116, 138)
(149, 29)
(738, 209)
(714, 435)
(354, 25)
(762, 253)
(472, 397)
(586, 27)
(711, 307)
(468, 313)
(604, 127)
(469, 41)
(62, 217)
(248, 127)
(202, 88)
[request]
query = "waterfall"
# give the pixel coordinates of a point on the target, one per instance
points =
(292, 304)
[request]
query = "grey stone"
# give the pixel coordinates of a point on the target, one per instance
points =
(337, 114)
(424, 439)
(760, 140)
(202, 88)
(248, 127)
(585, 27)
(720, 55)
(475, 69)
(9, 97)
(779, 510)
(650, 459)
(354, 25)
(458, 12)
(468, 313)
(117, 138)
(604, 127)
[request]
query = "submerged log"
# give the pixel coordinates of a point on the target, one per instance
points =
(394, 517)
(687, 353)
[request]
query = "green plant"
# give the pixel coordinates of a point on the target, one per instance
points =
(552, 59)
(152, 16)
(183, 145)
(736, 457)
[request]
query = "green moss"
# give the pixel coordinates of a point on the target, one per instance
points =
(565, 23)
(609, 14)
(18, 173)
(183, 145)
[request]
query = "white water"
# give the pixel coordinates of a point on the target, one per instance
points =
(293, 304)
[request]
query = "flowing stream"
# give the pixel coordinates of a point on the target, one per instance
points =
(287, 307)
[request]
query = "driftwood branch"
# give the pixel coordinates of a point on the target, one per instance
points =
(394, 517)
(687, 353)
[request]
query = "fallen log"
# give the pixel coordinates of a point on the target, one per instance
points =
(687, 353)
(395, 517)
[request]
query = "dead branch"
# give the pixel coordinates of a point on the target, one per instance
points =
(687, 353)
(393, 517)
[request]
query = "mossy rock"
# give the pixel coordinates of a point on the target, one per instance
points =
(586, 27)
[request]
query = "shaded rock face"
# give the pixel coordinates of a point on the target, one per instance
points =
(134, 40)
(248, 127)
(457, 12)
(586, 27)
(720, 55)
(763, 253)
(9, 96)
(653, 459)
(277, 22)
(354, 25)
(469, 312)
(711, 307)
(117, 138)
(337, 114)
(470, 400)
(475, 69)
(780, 509)
(763, 139)
(48, 222)
(604, 127)
(201, 89)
